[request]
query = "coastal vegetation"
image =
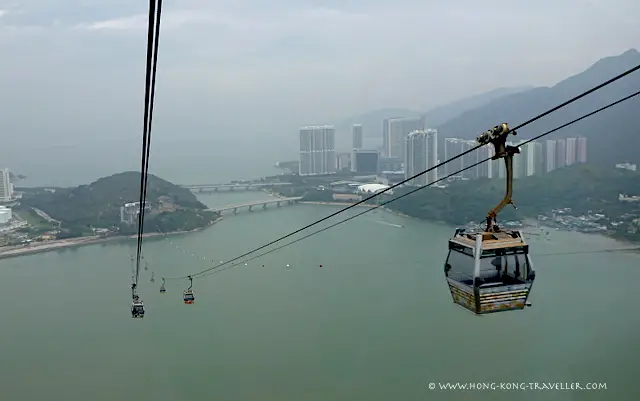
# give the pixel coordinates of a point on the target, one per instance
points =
(84, 209)
(584, 189)
(579, 190)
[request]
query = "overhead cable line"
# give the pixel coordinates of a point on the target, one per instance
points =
(581, 118)
(580, 96)
(433, 168)
(538, 255)
(155, 11)
(214, 268)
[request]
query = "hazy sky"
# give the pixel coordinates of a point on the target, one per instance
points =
(73, 70)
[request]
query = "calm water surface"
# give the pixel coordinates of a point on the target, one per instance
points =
(375, 322)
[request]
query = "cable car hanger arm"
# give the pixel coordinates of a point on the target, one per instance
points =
(497, 136)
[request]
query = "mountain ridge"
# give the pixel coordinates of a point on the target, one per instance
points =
(437, 115)
(441, 114)
(620, 120)
(372, 120)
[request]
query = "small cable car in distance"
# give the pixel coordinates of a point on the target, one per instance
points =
(491, 271)
(188, 296)
(137, 309)
(137, 306)
(163, 289)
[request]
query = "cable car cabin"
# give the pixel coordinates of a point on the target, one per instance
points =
(162, 289)
(137, 309)
(189, 298)
(489, 271)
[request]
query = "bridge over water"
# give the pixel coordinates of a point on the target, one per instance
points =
(235, 186)
(250, 205)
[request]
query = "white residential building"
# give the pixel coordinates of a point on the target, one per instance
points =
(6, 189)
(421, 154)
(317, 150)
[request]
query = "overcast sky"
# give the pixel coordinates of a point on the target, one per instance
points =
(71, 68)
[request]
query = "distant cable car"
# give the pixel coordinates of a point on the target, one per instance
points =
(153, 274)
(137, 306)
(137, 309)
(188, 295)
(162, 287)
(491, 271)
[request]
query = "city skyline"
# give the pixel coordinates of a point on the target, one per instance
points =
(535, 157)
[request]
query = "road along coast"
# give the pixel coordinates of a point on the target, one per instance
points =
(46, 246)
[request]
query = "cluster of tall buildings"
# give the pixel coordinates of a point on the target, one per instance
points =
(535, 158)
(318, 154)
(565, 152)
(395, 131)
(409, 144)
(409, 141)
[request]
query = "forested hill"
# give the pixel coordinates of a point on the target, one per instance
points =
(582, 188)
(98, 204)
(614, 135)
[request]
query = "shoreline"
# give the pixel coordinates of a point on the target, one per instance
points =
(531, 222)
(336, 204)
(388, 210)
(527, 223)
(22, 250)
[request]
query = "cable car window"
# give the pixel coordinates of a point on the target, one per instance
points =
(462, 265)
(509, 269)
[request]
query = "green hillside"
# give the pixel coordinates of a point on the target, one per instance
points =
(98, 204)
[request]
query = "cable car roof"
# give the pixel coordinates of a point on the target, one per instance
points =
(497, 240)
